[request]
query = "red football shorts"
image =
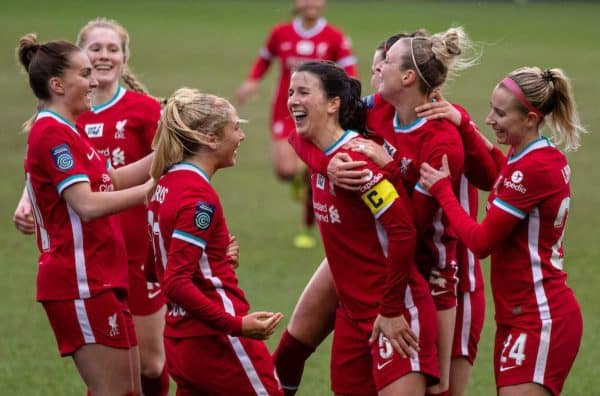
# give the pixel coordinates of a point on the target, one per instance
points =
(470, 314)
(360, 368)
(221, 365)
(102, 319)
(145, 298)
(542, 354)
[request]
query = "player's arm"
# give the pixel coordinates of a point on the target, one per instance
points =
(23, 216)
(260, 66)
(182, 264)
(481, 167)
(90, 204)
(482, 238)
(481, 162)
(388, 207)
(134, 174)
(345, 57)
(434, 149)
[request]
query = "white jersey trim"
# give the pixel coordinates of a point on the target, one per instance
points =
(537, 144)
(508, 208)
(345, 138)
(346, 61)
(308, 33)
(265, 54)
(413, 126)
(189, 238)
(79, 254)
(192, 168)
(39, 220)
(438, 233)
(111, 102)
(464, 202)
(56, 117)
(69, 181)
(533, 235)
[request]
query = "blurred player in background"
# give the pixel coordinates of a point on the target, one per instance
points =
(308, 37)
(214, 346)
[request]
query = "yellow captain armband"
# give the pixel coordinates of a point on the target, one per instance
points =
(380, 197)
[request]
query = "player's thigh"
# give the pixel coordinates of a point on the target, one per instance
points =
(314, 314)
(106, 370)
(285, 161)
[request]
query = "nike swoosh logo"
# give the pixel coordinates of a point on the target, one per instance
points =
(151, 295)
(91, 155)
(380, 366)
(503, 369)
(437, 293)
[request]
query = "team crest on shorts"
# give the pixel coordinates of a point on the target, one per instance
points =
(204, 215)
(63, 159)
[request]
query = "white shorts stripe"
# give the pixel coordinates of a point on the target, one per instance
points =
(84, 322)
(253, 376)
(465, 330)
(409, 303)
(540, 295)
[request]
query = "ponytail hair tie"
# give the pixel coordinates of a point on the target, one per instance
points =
(547, 75)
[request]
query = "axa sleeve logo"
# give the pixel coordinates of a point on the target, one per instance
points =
(63, 159)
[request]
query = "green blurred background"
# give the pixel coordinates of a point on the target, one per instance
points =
(210, 45)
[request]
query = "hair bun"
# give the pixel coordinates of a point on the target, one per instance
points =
(547, 75)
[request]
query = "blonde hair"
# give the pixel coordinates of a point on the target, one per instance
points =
(190, 119)
(126, 75)
(550, 92)
(438, 56)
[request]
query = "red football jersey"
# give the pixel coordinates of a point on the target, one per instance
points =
(369, 239)
(294, 45)
(78, 259)
(122, 130)
(190, 239)
(411, 145)
(470, 277)
(527, 276)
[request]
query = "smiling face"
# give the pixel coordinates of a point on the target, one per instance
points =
(229, 141)
(104, 47)
(77, 84)
(376, 69)
(310, 10)
(392, 75)
(308, 104)
(511, 126)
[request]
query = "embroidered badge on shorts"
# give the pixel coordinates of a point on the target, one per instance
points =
(204, 215)
(62, 157)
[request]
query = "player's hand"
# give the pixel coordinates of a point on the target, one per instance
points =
(341, 171)
(398, 332)
(233, 251)
(246, 91)
(438, 108)
(23, 216)
(260, 325)
(376, 152)
(430, 175)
